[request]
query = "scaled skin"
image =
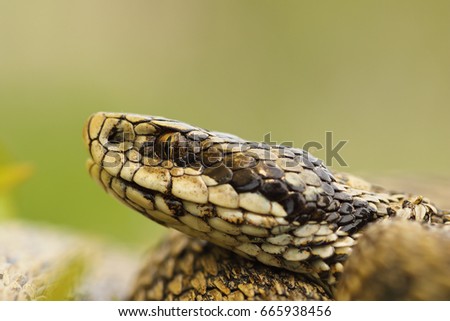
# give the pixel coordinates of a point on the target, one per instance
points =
(277, 205)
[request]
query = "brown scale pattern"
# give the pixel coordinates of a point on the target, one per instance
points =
(185, 269)
(398, 260)
(393, 260)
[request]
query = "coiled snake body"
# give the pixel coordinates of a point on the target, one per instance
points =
(274, 204)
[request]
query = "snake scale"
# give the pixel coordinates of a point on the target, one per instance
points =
(277, 205)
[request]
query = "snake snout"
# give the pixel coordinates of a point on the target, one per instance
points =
(85, 133)
(108, 134)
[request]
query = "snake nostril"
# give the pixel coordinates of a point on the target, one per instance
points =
(116, 136)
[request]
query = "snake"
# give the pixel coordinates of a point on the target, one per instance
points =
(273, 204)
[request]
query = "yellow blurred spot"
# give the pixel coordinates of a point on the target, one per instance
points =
(65, 281)
(13, 175)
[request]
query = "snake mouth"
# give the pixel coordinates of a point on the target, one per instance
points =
(127, 192)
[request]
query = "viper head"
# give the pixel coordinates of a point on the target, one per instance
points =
(271, 203)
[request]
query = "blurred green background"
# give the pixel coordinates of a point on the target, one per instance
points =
(376, 73)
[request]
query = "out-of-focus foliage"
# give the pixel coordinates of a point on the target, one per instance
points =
(375, 73)
(64, 282)
(11, 175)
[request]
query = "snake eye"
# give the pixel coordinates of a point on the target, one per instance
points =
(172, 146)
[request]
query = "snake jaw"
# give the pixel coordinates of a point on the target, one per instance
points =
(274, 204)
